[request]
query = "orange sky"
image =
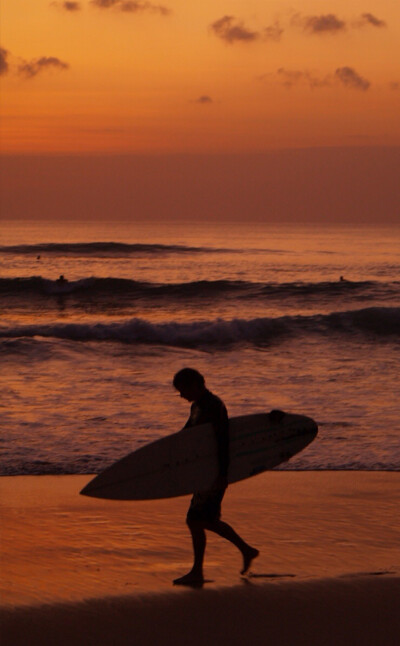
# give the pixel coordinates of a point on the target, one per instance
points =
(210, 76)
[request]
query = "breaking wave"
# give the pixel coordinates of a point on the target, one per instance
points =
(123, 287)
(381, 322)
(101, 248)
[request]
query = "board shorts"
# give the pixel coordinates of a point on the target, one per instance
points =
(206, 505)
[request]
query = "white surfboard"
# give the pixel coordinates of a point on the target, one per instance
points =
(186, 461)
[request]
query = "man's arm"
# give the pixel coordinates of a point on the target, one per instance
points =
(190, 419)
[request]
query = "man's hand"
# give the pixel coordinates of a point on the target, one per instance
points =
(220, 482)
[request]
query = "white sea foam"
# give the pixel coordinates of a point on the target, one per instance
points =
(379, 321)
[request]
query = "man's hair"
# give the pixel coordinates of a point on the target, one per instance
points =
(188, 376)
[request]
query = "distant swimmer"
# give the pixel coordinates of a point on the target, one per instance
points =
(61, 280)
(343, 279)
(205, 507)
(37, 257)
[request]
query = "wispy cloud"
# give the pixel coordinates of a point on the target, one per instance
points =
(289, 78)
(351, 79)
(204, 99)
(330, 23)
(4, 66)
(273, 32)
(131, 6)
(231, 30)
(344, 76)
(370, 19)
(324, 24)
(30, 69)
(68, 5)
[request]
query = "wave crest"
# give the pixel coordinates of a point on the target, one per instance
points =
(125, 287)
(100, 248)
(378, 321)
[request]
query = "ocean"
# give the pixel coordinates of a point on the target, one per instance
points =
(303, 319)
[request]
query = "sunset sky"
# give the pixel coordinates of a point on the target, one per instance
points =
(217, 76)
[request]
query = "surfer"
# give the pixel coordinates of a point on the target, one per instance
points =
(205, 507)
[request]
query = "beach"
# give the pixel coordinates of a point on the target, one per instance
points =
(84, 571)
(205, 186)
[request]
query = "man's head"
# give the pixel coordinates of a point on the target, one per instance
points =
(189, 383)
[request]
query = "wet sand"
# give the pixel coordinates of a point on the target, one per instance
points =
(83, 571)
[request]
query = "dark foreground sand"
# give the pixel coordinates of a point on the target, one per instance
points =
(79, 571)
(338, 612)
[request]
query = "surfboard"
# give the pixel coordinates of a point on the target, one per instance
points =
(186, 461)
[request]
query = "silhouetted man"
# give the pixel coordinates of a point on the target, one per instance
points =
(205, 508)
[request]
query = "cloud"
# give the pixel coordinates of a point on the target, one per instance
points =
(330, 23)
(229, 29)
(349, 77)
(324, 24)
(68, 5)
(4, 66)
(273, 32)
(232, 30)
(369, 19)
(289, 78)
(30, 69)
(345, 76)
(131, 6)
(204, 99)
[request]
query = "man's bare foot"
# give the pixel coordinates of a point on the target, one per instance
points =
(248, 556)
(191, 578)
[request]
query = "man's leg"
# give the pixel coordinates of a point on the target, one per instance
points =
(226, 531)
(195, 576)
(199, 545)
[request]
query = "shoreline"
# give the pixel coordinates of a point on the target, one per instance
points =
(58, 546)
(80, 571)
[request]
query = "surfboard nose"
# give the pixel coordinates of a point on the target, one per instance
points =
(88, 491)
